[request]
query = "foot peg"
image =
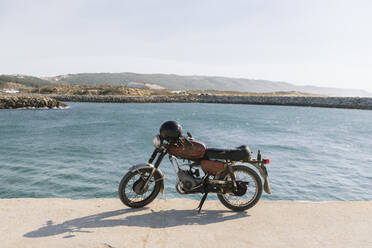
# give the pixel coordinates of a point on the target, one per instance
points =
(202, 202)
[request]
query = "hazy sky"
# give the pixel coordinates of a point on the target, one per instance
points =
(324, 43)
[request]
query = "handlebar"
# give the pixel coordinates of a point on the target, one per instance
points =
(188, 141)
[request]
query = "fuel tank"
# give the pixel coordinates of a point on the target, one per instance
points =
(192, 150)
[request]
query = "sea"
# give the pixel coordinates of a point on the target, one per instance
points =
(316, 154)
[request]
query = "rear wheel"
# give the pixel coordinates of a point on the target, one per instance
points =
(248, 193)
(132, 191)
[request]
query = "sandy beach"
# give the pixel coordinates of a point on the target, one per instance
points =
(175, 223)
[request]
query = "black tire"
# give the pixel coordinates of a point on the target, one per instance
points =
(257, 194)
(155, 182)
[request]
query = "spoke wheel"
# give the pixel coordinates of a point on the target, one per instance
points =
(132, 191)
(248, 193)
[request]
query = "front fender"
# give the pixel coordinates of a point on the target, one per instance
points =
(150, 166)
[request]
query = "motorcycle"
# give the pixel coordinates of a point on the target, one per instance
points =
(238, 187)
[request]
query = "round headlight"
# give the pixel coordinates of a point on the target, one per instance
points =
(156, 140)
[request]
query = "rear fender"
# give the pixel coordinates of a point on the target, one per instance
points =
(158, 173)
(262, 169)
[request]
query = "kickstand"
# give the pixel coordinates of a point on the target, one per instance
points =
(202, 202)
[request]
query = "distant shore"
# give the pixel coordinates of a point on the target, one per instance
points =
(106, 223)
(328, 102)
(56, 101)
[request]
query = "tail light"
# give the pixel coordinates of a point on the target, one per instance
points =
(266, 161)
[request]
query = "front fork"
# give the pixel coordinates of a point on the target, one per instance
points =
(162, 152)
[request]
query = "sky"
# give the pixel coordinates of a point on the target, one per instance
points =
(305, 42)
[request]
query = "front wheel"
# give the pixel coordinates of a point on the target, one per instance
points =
(132, 191)
(250, 192)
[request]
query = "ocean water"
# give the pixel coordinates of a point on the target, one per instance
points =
(316, 154)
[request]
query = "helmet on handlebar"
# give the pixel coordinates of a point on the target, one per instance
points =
(170, 130)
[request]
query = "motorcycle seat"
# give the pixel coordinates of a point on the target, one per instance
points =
(241, 153)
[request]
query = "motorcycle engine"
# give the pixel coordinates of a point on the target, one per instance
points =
(186, 180)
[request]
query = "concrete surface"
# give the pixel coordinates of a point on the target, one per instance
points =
(108, 223)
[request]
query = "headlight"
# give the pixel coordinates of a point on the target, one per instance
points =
(156, 140)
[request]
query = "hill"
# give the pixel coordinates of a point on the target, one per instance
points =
(26, 81)
(172, 81)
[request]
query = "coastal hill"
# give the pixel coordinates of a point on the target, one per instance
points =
(22, 81)
(171, 81)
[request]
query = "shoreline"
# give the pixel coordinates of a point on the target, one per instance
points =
(57, 101)
(327, 102)
(106, 222)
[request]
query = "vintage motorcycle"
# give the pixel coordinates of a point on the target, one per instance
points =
(238, 187)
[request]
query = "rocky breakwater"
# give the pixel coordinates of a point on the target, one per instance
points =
(328, 102)
(21, 101)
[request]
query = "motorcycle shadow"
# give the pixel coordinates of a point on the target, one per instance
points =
(134, 217)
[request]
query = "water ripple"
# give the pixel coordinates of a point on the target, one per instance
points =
(316, 154)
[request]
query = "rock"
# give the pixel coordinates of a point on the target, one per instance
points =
(24, 101)
(329, 102)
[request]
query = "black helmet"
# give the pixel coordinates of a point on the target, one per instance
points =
(170, 130)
